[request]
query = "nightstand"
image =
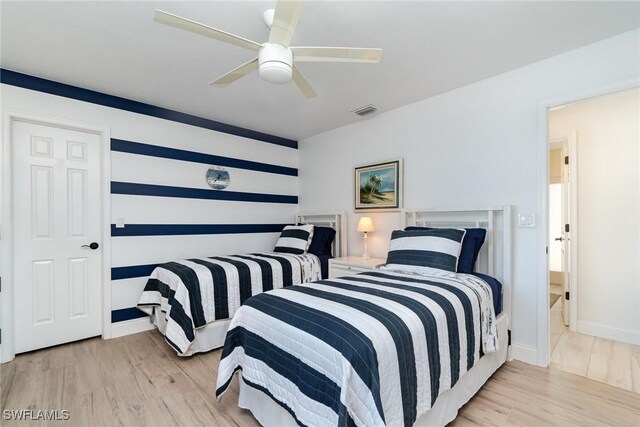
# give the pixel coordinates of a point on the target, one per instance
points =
(349, 265)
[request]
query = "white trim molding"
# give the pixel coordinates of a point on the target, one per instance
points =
(610, 332)
(524, 353)
(133, 326)
(7, 301)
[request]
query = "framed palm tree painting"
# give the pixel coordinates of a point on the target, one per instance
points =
(379, 186)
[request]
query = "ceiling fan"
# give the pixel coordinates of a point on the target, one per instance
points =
(276, 58)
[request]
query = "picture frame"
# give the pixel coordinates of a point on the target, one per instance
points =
(378, 186)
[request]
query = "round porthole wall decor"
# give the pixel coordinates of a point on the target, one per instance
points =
(218, 178)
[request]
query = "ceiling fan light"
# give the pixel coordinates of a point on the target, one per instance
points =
(276, 72)
(275, 63)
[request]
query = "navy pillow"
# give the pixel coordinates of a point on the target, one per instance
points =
(473, 240)
(322, 240)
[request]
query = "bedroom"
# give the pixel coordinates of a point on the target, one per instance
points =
(463, 105)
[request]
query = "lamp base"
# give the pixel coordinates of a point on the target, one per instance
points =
(365, 255)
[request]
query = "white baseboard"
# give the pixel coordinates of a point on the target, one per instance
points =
(524, 353)
(6, 357)
(605, 331)
(129, 327)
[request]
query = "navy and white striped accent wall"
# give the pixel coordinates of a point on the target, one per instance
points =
(159, 159)
(171, 213)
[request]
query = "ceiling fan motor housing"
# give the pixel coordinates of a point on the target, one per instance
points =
(275, 63)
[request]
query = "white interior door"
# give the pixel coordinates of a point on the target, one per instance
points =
(58, 281)
(566, 227)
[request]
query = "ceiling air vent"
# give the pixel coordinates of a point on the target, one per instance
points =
(366, 110)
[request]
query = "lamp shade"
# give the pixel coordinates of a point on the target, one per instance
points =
(365, 224)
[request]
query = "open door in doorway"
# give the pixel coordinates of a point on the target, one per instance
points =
(564, 233)
(560, 222)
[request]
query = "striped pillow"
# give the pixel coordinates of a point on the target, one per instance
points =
(433, 251)
(295, 239)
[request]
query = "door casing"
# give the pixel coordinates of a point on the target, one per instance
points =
(542, 156)
(7, 301)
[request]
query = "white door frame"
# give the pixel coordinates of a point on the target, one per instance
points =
(7, 301)
(572, 151)
(542, 273)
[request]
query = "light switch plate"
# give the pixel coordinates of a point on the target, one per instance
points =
(120, 223)
(526, 220)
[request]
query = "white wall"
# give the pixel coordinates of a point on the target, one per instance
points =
(608, 163)
(474, 146)
(136, 209)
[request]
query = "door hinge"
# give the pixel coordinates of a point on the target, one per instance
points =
(546, 250)
(566, 295)
(566, 228)
(508, 336)
(566, 160)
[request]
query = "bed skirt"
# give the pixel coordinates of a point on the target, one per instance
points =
(207, 338)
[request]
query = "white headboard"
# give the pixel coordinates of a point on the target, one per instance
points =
(495, 256)
(337, 221)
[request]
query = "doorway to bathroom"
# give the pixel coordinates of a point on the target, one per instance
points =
(594, 238)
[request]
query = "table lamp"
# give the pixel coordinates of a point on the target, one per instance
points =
(365, 225)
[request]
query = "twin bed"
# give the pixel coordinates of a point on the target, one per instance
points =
(192, 301)
(385, 347)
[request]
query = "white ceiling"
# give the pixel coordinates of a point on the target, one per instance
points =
(429, 48)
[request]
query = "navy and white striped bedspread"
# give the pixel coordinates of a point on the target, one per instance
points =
(192, 293)
(372, 349)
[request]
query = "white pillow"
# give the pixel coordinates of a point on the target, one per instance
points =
(295, 239)
(433, 252)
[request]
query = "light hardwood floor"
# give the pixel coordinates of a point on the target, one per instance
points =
(612, 362)
(139, 381)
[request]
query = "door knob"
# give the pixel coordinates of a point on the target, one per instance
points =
(92, 245)
(558, 239)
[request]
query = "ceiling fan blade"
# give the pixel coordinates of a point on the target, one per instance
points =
(303, 84)
(204, 30)
(335, 54)
(236, 73)
(285, 20)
